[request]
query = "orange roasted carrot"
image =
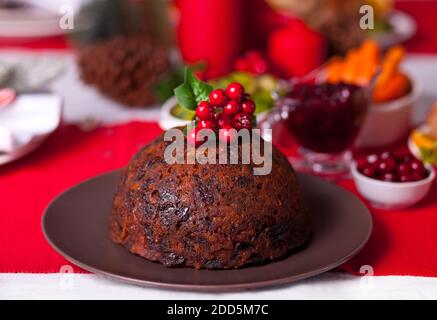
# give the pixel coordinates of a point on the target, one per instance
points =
(369, 61)
(335, 70)
(352, 62)
(390, 64)
(397, 86)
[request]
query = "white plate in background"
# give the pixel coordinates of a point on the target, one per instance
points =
(32, 22)
(404, 27)
(25, 124)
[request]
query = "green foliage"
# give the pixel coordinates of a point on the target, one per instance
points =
(192, 91)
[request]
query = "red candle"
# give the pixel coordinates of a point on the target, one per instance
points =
(295, 49)
(210, 31)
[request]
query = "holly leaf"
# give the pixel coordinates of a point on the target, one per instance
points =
(192, 91)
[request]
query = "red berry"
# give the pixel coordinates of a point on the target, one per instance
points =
(241, 65)
(204, 124)
(416, 176)
(372, 158)
(227, 133)
(191, 137)
(231, 108)
(405, 178)
(369, 171)
(389, 177)
(417, 166)
(402, 153)
(404, 168)
(243, 121)
(361, 163)
(218, 97)
(387, 165)
(204, 111)
(259, 67)
(222, 120)
(248, 106)
(385, 155)
(253, 56)
(235, 91)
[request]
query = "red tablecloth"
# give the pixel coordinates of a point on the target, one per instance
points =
(402, 243)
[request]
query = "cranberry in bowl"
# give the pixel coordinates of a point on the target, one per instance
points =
(392, 180)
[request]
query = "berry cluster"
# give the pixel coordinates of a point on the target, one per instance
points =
(253, 62)
(392, 167)
(226, 109)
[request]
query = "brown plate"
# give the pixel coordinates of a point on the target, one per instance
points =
(76, 225)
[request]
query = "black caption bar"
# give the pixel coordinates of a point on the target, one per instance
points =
(217, 309)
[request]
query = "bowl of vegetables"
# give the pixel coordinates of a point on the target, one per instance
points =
(393, 91)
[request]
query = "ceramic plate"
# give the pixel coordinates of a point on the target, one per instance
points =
(27, 123)
(404, 27)
(76, 225)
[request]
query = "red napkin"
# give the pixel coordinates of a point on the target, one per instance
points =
(402, 243)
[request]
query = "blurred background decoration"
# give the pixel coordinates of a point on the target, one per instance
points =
(103, 89)
(127, 49)
(133, 52)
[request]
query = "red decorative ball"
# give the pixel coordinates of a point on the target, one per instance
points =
(235, 91)
(203, 111)
(231, 108)
(248, 106)
(218, 97)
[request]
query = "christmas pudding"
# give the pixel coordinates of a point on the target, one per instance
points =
(210, 216)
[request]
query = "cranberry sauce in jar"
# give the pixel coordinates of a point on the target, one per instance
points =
(326, 118)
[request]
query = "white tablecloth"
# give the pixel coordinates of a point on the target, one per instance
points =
(81, 101)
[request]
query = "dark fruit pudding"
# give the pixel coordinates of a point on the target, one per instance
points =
(392, 167)
(326, 118)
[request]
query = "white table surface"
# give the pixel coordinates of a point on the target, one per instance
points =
(81, 101)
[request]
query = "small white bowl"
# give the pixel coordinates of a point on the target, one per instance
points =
(387, 122)
(392, 195)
